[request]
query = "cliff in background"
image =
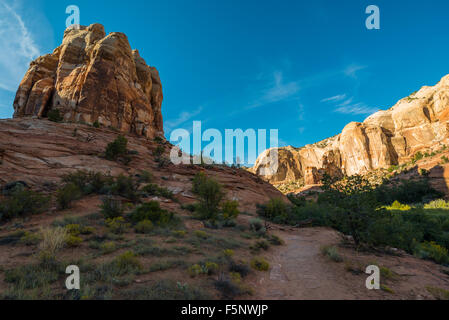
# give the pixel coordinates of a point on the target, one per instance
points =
(386, 138)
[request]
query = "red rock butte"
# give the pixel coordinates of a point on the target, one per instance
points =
(93, 77)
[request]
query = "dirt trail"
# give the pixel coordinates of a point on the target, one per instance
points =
(300, 272)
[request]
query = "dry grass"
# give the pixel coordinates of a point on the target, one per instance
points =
(53, 240)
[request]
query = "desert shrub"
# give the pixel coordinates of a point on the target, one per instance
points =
(145, 176)
(96, 124)
(432, 251)
(55, 115)
(227, 287)
(444, 159)
(437, 204)
(22, 202)
(32, 276)
(260, 264)
(108, 247)
(67, 220)
(125, 187)
(257, 226)
(332, 253)
(111, 208)
(260, 245)
(406, 191)
(210, 194)
(144, 226)
(201, 234)
(73, 240)
(275, 209)
(152, 211)
(275, 240)
(53, 240)
(30, 238)
(127, 262)
(179, 233)
(89, 181)
(167, 290)
(399, 206)
(240, 268)
(418, 156)
(155, 190)
(66, 195)
(194, 270)
(117, 225)
(228, 253)
(159, 151)
(117, 148)
(438, 293)
(230, 210)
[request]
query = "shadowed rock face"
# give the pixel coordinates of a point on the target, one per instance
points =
(94, 77)
(386, 138)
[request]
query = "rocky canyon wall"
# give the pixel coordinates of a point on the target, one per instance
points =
(391, 137)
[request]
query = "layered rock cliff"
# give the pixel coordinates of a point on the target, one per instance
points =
(386, 138)
(94, 77)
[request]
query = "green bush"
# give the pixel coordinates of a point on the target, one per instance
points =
(125, 187)
(117, 148)
(275, 210)
(117, 225)
(437, 204)
(66, 195)
(144, 226)
(432, 251)
(73, 240)
(128, 262)
(332, 253)
(54, 115)
(108, 247)
(145, 176)
(260, 264)
(155, 190)
(22, 202)
(89, 181)
(230, 210)
(152, 211)
(167, 290)
(111, 208)
(210, 194)
(399, 206)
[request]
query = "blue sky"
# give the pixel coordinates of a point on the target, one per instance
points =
(306, 68)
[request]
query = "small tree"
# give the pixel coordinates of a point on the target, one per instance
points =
(356, 197)
(210, 194)
(117, 148)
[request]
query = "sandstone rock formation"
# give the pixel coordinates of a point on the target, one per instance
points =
(94, 77)
(386, 138)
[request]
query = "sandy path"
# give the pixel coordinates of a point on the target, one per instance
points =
(300, 272)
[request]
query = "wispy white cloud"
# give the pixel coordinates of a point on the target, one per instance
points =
(335, 98)
(17, 47)
(181, 119)
(345, 105)
(277, 90)
(358, 108)
(353, 69)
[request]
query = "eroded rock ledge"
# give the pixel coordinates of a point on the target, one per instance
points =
(417, 122)
(93, 77)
